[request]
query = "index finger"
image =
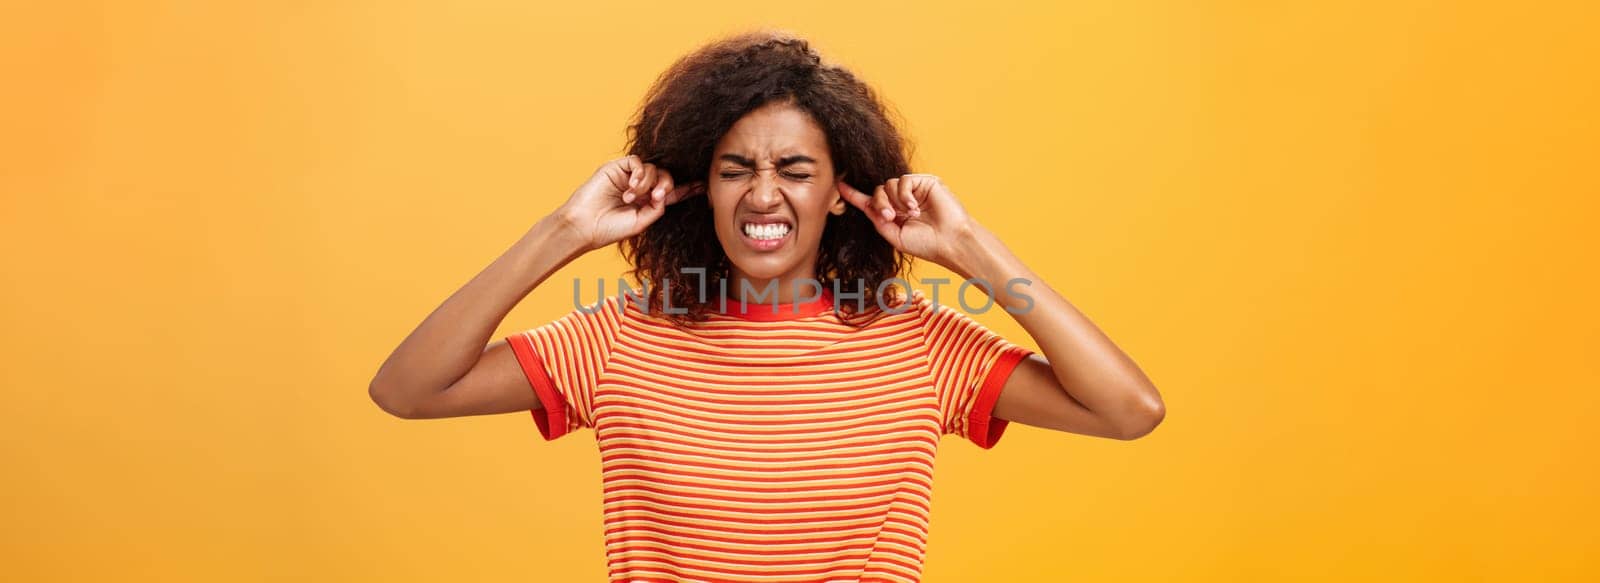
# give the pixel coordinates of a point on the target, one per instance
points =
(683, 192)
(855, 197)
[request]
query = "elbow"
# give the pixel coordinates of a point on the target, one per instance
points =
(390, 402)
(1141, 420)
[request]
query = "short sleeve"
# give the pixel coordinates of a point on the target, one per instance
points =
(969, 365)
(563, 360)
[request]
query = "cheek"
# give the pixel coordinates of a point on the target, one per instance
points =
(720, 210)
(816, 211)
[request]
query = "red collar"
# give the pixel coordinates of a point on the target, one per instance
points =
(767, 311)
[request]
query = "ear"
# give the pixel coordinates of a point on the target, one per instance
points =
(839, 203)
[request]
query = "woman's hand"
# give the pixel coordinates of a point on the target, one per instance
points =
(622, 198)
(917, 214)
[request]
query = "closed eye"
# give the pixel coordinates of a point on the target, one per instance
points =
(793, 175)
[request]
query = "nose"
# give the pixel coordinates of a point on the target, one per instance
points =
(766, 194)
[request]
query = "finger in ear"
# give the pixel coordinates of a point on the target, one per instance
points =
(855, 197)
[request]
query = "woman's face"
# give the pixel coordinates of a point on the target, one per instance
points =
(771, 188)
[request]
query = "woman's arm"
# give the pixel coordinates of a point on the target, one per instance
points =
(444, 369)
(414, 380)
(1083, 383)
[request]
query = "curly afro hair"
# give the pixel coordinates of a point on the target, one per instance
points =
(697, 100)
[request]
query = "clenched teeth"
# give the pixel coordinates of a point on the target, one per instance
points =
(767, 231)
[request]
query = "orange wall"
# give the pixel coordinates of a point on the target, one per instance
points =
(1352, 243)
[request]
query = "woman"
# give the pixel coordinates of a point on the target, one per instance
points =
(766, 407)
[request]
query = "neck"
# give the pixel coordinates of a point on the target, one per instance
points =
(753, 290)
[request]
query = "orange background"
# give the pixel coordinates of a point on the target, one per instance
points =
(1352, 243)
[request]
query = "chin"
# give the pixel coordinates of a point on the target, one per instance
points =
(765, 267)
(758, 264)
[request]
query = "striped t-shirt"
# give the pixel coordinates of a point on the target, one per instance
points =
(767, 444)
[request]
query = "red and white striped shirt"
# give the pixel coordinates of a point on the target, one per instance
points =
(769, 445)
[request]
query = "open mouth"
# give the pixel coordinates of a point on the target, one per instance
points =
(766, 234)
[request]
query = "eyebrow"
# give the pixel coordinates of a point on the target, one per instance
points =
(784, 161)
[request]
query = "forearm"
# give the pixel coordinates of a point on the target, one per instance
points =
(449, 341)
(1088, 365)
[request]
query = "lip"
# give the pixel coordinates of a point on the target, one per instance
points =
(765, 245)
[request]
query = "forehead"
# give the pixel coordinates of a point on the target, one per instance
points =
(773, 131)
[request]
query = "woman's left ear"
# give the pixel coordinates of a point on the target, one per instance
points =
(839, 204)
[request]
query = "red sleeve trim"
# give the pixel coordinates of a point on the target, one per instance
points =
(983, 428)
(552, 419)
